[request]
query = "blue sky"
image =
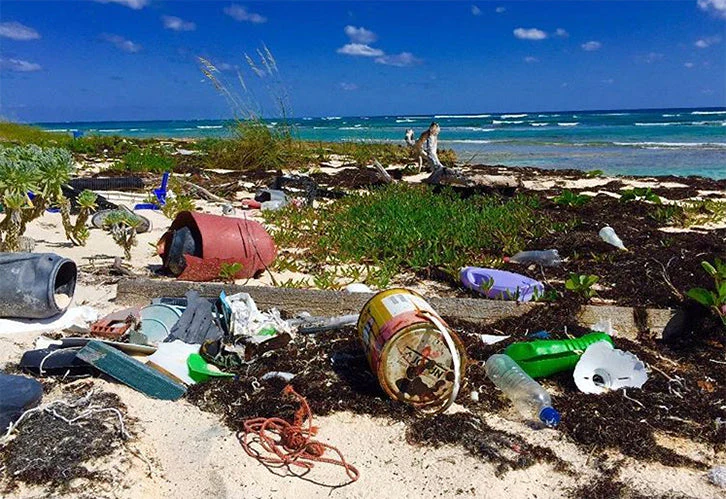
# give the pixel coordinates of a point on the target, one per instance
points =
(137, 59)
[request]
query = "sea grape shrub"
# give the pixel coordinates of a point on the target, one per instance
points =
(713, 299)
(582, 284)
(570, 199)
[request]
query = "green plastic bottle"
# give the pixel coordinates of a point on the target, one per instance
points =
(542, 358)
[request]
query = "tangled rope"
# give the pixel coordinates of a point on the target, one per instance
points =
(294, 445)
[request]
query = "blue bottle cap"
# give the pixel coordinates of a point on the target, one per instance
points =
(550, 417)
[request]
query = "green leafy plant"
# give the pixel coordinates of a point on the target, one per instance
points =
(122, 227)
(714, 299)
(26, 169)
(582, 284)
(668, 214)
(228, 271)
(152, 160)
(594, 173)
(401, 228)
(77, 232)
(569, 198)
(640, 194)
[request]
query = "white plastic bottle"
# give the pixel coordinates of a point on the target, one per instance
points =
(529, 398)
(546, 258)
(608, 235)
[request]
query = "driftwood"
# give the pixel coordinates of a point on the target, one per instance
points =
(382, 173)
(203, 192)
(628, 322)
(502, 184)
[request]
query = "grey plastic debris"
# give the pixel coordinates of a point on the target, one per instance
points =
(717, 476)
(286, 377)
(198, 322)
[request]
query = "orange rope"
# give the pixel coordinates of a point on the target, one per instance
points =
(294, 445)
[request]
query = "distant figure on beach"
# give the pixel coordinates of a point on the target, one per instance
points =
(426, 147)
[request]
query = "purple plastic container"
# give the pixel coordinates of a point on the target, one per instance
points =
(504, 285)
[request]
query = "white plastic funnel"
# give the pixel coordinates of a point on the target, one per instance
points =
(602, 368)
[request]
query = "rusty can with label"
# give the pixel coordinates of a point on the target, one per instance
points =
(414, 354)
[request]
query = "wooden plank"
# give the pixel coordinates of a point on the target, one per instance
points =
(130, 371)
(627, 321)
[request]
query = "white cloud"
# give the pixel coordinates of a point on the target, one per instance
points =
(591, 46)
(689, 65)
(121, 43)
(17, 31)
(348, 86)
(360, 49)
(19, 65)
(402, 60)
(652, 57)
(708, 41)
(561, 33)
(529, 59)
(608, 81)
(360, 35)
(177, 24)
(476, 11)
(530, 34)
(132, 4)
(717, 7)
(225, 66)
(500, 10)
(239, 13)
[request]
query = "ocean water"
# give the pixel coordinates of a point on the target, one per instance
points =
(629, 142)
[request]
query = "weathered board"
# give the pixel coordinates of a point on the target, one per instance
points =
(130, 371)
(627, 321)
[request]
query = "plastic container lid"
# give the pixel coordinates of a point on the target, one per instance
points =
(549, 416)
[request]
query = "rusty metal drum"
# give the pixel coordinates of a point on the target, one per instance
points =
(414, 354)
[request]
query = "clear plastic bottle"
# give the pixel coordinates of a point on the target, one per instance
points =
(546, 258)
(529, 398)
(608, 235)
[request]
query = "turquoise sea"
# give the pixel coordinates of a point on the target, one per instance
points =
(628, 142)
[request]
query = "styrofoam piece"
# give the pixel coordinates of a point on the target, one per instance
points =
(357, 287)
(602, 368)
(717, 476)
(491, 339)
(75, 316)
(172, 358)
(604, 326)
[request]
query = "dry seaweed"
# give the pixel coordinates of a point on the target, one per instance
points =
(55, 446)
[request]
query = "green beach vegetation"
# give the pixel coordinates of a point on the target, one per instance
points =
(401, 228)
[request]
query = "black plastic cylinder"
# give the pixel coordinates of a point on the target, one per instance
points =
(35, 286)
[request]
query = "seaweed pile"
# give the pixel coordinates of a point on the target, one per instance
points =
(54, 446)
(685, 396)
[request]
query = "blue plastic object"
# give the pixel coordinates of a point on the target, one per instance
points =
(500, 284)
(550, 416)
(31, 196)
(77, 134)
(160, 194)
(539, 335)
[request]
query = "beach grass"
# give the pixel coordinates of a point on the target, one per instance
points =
(403, 227)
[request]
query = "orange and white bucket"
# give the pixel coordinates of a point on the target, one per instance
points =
(414, 354)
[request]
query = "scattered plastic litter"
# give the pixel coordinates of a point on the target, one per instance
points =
(54, 362)
(171, 359)
(306, 324)
(74, 316)
(540, 358)
(291, 444)
(491, 339)
(357, 287)
(17, 395)
(212, 241)
(608, 235)
(35, 285)
(500, 284)
(717, 476)
(157, 321)
(286, 377)
(529, 398)
(198, 323)
(200, 370)
(115, 325)
(602, 368)
(247, 320)
(604, 326)
(546, 258)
